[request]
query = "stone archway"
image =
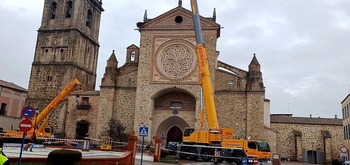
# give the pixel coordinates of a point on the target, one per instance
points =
(82, 129)
(174, 109)
(174, 125)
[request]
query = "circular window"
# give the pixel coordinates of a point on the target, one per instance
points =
(176, 61)
(178, 19)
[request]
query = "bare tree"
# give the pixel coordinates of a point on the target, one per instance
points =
(116, 131)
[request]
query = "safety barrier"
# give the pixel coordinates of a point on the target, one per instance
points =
(107, 147)
(216, 153)
(208, 155)
(217, 157)
(127, 158)
(67, 141)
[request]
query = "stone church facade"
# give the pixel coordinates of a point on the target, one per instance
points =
(158, 86)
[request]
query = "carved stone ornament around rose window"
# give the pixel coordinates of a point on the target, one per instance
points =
(176, 61)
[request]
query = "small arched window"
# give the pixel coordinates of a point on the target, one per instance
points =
(132, 56)
(69, 9)
(53, 8)
(89, 18)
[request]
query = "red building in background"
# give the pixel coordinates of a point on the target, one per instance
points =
(12, 99)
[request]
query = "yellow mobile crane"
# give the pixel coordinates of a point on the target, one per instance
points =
(44, 130)
(208, 143)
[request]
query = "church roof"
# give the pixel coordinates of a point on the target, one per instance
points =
(112, 57)
(231, 69)
(177, 18)
(132, 46)
(11, 86)
(345, 98)
(85, 93)
(305, 120)
(254, 61)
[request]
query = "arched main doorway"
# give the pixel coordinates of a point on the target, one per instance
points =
(172, 129)
(174, 135)
(178, 106)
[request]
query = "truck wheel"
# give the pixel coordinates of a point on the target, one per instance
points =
(238, 158)
(229, 160)
(194, 151)
(183, 156)
(220, 160)
(206, 152)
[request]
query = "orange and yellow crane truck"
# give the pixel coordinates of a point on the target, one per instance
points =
(258, 148)
(43, 131)
(215, 142)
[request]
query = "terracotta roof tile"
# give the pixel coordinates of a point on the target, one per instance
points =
(12, 86)
(305, 120)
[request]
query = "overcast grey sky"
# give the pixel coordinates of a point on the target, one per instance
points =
(302, 45)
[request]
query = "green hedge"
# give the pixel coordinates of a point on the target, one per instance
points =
(62, 156)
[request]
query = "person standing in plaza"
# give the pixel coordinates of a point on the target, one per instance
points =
(33, 140)
(3, 159)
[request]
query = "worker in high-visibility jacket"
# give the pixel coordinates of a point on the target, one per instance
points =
(3, 159)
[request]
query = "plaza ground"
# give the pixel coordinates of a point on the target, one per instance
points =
(147, 159)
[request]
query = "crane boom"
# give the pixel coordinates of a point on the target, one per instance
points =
(44, 130)
(204, 70)
(55, 102)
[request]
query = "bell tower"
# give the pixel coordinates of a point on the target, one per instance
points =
(66, 48)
